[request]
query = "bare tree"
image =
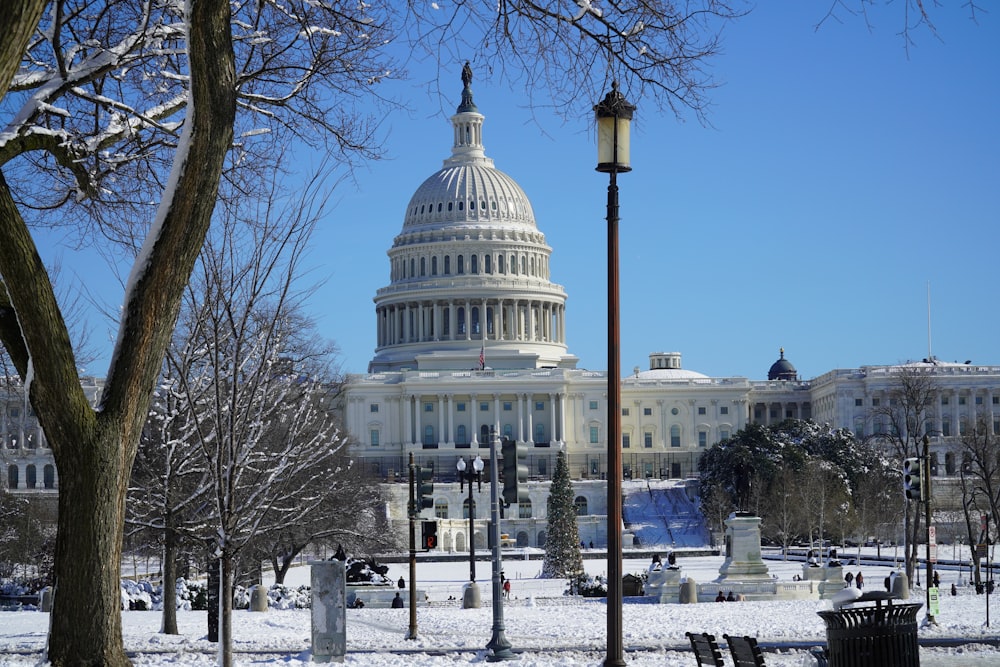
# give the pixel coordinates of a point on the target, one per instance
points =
(899, 423)
(128, 114)
(916, 15)
(979, 479)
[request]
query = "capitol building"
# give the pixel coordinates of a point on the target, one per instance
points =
(471, 341)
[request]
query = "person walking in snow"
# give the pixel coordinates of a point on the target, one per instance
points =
(506, 589)
(859, 580)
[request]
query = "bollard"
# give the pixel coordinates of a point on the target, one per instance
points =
(258, 598)
(689, 591)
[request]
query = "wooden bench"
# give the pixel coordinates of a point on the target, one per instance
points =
(745, 651)
(706, 649)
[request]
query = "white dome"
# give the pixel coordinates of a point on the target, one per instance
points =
(469, 271)
(468, 196)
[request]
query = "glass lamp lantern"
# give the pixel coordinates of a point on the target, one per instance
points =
(614, 117)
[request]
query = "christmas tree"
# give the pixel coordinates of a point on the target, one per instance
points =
(562, 544)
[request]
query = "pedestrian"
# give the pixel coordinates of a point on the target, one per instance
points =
(720, 597)
(954, 591)
(401, 583)
(397, 602)
(937, 579)
(849, 578)
(730, 597)
(506, 589)
(592, 544)
(859, 580)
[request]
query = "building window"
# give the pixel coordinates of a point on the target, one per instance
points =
(49, 476)
(593, 405)
(858, 402)
(581, 506)
(724, 433)
(441, 509)
(876, 401)
(508, 431)
(646, 412)
(961, 400)
(724, 410)
(674, 411)
(979, 400)
(373, 437)
(996, 400)
(539, 405)
(428, 407)
(595, 434)
(373, 407)
(465, 511)
(447, 258)
(484, 406)
(701, 410)
(428, 435)
(461, 435)
(624, 412)
(675, 436)
(702, 439)
(647, 440)
(507, 406)
(434, 264)
(539, 432)
(626, 441)
(460, 407)
(524, 510)
(945, 428)
(484, 436)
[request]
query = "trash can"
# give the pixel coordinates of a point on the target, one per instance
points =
(884, 635)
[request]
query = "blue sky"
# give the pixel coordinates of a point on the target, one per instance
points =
(841, 176)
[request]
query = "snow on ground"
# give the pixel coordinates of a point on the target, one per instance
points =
(544, 627)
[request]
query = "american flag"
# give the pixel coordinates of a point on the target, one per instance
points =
(482, 357)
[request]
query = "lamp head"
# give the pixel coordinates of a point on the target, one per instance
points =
(460, 464)
(614, 117)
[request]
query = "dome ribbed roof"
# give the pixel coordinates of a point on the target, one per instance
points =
(468, 196)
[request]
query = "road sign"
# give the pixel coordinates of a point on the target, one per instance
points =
(933, 551)
(933, 602)
(932, 534)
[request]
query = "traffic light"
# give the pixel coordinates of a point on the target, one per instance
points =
(515, 472)
(429, 535)
(913, 478)
(425, 488)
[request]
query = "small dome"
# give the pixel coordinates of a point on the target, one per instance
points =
(782, 369)
(667, 366)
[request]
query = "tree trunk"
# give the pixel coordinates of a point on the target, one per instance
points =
(226, 612)
(169, 626)
(85, 625)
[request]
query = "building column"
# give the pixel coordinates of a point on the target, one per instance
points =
(407, 405)
(419, 420)
(520, 419)
(442, 440)
(474, 421)
(552, 420)
(451, 420)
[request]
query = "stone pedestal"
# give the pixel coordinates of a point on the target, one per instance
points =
(329, 610)
(664, 585)
(743, 561)
(900, 585)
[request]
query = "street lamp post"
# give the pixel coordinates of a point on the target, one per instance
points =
(471, 599)
(498, 644)
(614, 114)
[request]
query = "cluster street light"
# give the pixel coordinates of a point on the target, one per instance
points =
(471, 599)
(614, 115)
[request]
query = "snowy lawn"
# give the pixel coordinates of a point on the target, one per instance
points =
(544, 627)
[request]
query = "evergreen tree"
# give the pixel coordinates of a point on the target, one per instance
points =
(562, 544)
